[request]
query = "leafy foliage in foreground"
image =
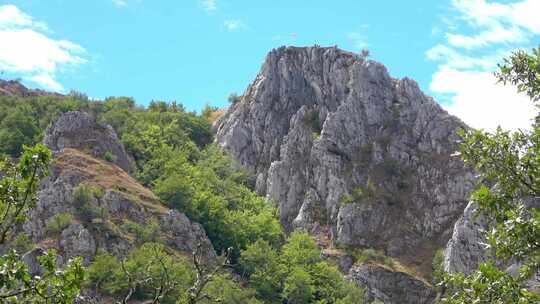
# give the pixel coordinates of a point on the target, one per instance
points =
(152, 273)
(17, 195)
(509, 166)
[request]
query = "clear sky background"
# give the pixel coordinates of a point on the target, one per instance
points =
(197, 52)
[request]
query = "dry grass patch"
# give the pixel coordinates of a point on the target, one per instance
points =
(105, 175)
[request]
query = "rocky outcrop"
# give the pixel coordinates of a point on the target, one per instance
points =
(76, 240)
(80, 131)
(101, 223)
(391, 287)
(16, 88)
(115, 209)
(335, 141)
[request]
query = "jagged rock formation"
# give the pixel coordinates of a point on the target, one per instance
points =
(80, 131)
(347, 151)
(116, 201)
(391, 287)
(336, 141)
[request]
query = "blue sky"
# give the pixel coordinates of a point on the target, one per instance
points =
(199, 51)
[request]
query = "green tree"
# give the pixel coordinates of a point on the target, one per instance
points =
(298, 287)
(17, 129)
(260, 263)
(509, 167)
(297, 274)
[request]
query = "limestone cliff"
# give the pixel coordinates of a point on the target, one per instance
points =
(337, 142)
(350, 154)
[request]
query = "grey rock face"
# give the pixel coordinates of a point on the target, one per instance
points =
(184, 234)
(391, 287)
(466, 249)
(80, 131)
(337, 142)
(76, 240)
(31, 260)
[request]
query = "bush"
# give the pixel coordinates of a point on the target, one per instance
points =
(109, 157)
(312, 121)
(261, 264)
(358, 193)
(22, 243)
(143, 233)
(150, 264)
(103, 273)
(58, 223)
(83, 201)
(234, 98)
(438, 267)
(371, 255)
(298, 287)
(345, 199)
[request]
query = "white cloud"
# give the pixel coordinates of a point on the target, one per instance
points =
(119, 3)
(12, 18)
(501, 23)
(209, 5)
(496, 34)
(31, 53)
(466, 62)
(233, 25)
(479, 101)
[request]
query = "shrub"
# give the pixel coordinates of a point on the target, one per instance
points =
(358, 193)
(371, 255)
(312, 121)
(58, 223)
(437, 267)
(143, 233)
(22, 243)
(371, 189)
(150, 265)
(346, 199)
(83, 197)
(103, 273)
(298, 287)
(234, 98)
(109, 157)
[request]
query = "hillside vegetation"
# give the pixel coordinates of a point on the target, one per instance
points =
(177, 165)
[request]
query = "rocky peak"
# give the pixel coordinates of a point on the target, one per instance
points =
(346, 150)
(80, 131)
